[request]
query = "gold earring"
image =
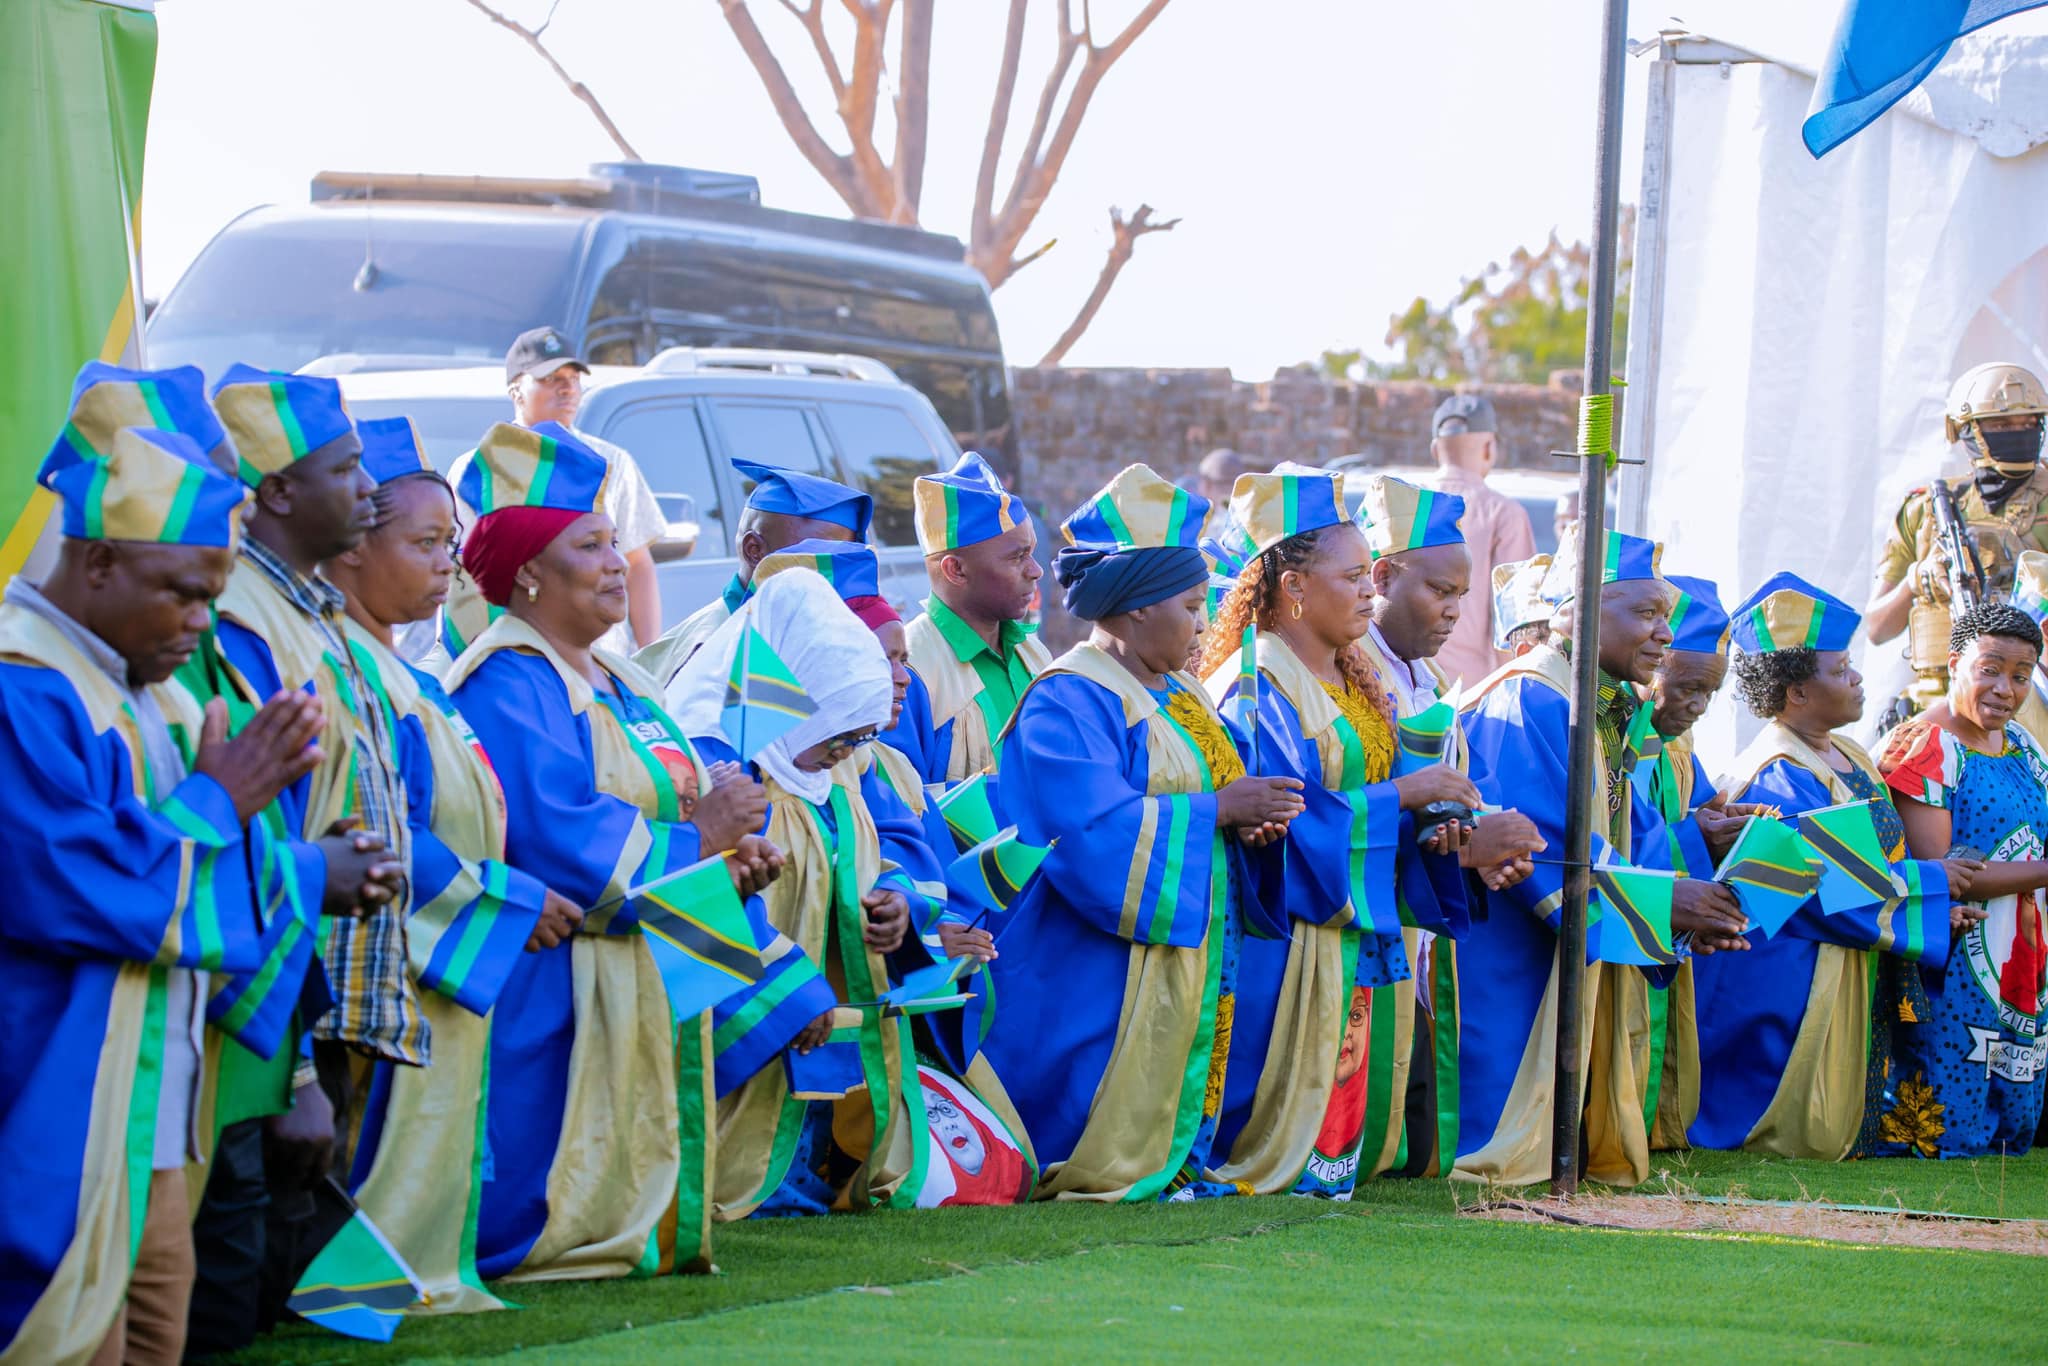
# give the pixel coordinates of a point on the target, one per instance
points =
(1297, 609)
(533, 593)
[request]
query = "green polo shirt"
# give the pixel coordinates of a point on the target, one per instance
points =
(1004, 676)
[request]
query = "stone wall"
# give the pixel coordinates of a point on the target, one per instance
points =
(1078, 427)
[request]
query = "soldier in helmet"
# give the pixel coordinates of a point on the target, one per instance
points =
(1996, 411)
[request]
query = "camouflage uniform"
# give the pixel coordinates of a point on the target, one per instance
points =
(2020, 525)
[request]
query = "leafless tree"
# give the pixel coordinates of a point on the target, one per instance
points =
(886, 182)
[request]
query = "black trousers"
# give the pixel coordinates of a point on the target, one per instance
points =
(1419, 1119)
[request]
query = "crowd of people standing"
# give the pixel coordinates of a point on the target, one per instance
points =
(1243, 893)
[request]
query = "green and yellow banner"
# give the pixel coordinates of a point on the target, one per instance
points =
(75, 79)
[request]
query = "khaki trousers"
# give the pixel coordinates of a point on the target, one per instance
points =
(150, 1329)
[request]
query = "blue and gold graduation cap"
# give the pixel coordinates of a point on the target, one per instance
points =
(1788, 613)
(1699, 623)
(1272, 507)
(277, 419)
(964, 506)
(1518, 597)
(1138, 510)
(1397, 516)
(152, 486)
(391, 449)
(536, 467)
(105, 398)
(1624, 559)
(807, 495)
(849, 566)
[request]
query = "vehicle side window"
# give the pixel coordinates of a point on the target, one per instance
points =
(772, 433)
(884, 451)
(667, 439)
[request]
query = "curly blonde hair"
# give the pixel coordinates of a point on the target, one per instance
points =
(1256, 599)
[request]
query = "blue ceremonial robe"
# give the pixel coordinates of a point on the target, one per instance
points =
(109, 889)
(1112, 960)
(1785, 1029)
(1350, 864)
(1518, 733)
(597, 1133)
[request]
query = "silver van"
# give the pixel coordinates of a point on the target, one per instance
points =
(685, 416)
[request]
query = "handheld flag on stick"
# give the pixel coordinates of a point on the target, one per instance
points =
(1853, 869)
(763, 700)
(697, 930)
(968, 812)
(357, 1285)
(1643, 742)
(1771, 870)
(1635, 926)
(1425, 736)
(1247, 705)
(934, 987)
(989, 876)
(831, 1069)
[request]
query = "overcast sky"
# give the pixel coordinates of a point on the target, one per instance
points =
(1330, 159)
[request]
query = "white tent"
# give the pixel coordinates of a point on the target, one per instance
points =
(1795, 323)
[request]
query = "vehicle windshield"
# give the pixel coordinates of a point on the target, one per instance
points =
(449, 427)
(278, 292)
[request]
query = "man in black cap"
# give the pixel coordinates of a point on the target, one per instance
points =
(1496, 527)
(544, 376)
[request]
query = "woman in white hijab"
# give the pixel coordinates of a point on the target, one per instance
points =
(855, 861)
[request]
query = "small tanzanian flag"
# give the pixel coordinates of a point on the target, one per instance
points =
(1635, 926)
(989, 876)
(967, 810)
(1771, 870)
(1642, 741)
(763, 700)
(358, 1285)
(697, 930)
(1425, 736)
(1853, 869)
(929, 988)
(828, 1071)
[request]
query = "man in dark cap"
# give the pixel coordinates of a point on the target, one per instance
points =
(1497, 530)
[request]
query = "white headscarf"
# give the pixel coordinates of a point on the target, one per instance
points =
(830, 650)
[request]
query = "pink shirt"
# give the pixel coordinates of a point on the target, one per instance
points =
(1497, 531)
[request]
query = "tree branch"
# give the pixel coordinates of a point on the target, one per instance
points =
(1126, 233)
(1036, 172)
(837, 170)
(576, 87)
(857, 107)
(913, 106)
(998, 123)
(813, 20)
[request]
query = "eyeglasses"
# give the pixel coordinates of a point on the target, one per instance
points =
(839, 746)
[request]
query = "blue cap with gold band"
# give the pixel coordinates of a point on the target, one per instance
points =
(796, 494)
(1788, 613)
(849, 566)
(277, 419)
(1699, 624)
(1396, 515)
(1135, 543)
(544, 466)
(1291, 501)
(1625, 559)
(105, 398)
(153, 486)
(391, 449)
(966, 505)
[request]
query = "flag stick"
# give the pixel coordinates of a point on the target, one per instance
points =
(746, 685)
(1583, 802)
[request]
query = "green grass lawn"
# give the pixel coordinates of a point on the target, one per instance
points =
(1260, 1274)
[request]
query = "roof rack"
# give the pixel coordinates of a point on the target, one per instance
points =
(689, 360)
(635, 187)
(360, 362)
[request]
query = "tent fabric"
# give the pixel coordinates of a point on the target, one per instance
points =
(1814, 314)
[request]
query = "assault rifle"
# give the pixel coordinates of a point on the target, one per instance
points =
(1967, 584)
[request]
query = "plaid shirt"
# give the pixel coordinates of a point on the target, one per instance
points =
(375, 1005)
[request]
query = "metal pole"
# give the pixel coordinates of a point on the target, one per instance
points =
(1581, 807)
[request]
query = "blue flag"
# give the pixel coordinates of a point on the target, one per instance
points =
(1881, 50)
(698, 934)
(357, 1285)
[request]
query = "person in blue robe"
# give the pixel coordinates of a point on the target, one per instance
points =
(1795, 1036)
(134, 869)
(1517, 728)
(598, 1137)
(1116, 966)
